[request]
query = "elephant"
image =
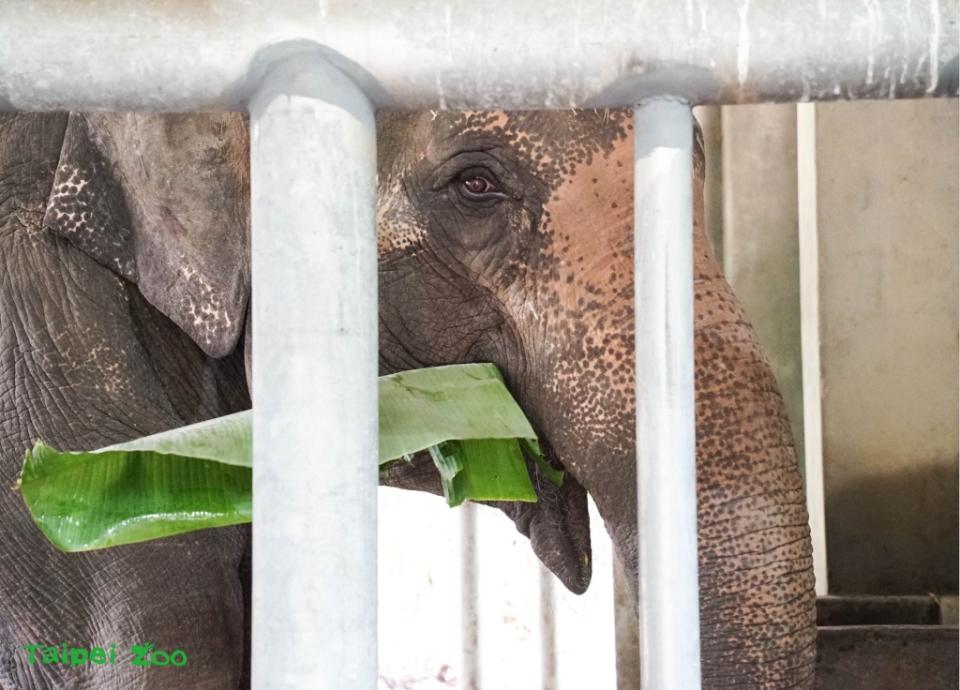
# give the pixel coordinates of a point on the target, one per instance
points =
(507, 237)
(122, 307)
(503, 237)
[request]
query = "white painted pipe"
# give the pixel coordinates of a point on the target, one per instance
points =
(313, 167)
(469, 599)
(176, 55)
(666, 436)
(808, 228)
(548, 629)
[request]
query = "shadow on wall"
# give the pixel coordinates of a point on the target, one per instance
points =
(881, 540)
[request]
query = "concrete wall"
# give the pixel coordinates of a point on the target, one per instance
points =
(888, 222)
(760, 246)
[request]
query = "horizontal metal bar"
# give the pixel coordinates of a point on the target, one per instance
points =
(176, 55)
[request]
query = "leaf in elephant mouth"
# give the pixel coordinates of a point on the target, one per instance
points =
(199, 476)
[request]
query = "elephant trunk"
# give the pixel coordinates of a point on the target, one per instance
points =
(757, 601)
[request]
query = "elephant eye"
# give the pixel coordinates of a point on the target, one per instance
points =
(479, 185)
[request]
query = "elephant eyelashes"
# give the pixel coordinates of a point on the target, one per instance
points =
(479, 186)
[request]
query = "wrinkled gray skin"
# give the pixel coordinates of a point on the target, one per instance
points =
(123, 242)
(503, 238)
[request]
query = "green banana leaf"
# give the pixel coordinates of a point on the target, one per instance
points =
(200, 476)
(424, 408)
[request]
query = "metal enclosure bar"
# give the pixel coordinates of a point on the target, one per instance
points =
(666, 437)
(807, 227)
(313, 163)
(175, 55)
(469, 607)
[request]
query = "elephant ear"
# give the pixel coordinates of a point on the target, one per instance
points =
(162, 200)
(86, 204)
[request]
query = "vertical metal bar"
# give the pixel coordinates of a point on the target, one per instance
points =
(548, 630)
(313, 161)
(810, 337)
(469, 598)
(666, 441)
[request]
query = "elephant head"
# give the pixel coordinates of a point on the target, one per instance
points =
(507, 237)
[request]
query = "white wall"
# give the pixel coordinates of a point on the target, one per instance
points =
(421, 625)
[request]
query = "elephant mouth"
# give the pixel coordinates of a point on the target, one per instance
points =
(558, 524)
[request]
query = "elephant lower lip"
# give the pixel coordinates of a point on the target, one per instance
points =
(558, 526)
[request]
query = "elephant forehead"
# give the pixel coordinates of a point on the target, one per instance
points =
(588, 219)
(553, 144)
